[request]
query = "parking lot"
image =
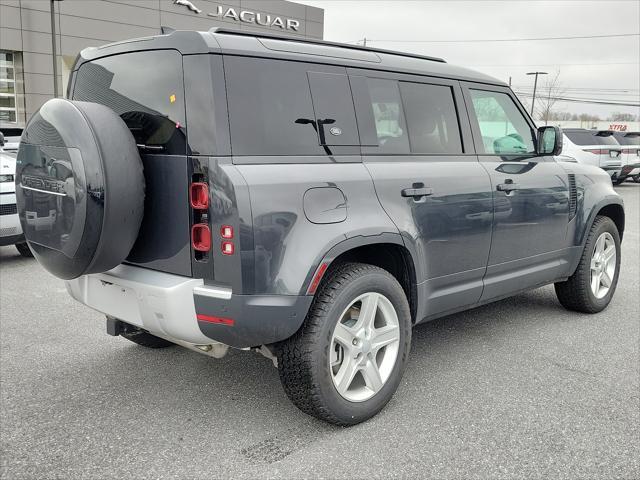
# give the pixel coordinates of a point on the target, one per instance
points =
(519, 388)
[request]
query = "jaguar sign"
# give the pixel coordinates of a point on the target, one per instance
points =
(245, 16)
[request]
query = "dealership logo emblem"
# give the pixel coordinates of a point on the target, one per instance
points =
(246, 16)
(188, 4)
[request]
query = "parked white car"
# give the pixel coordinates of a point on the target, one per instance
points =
(594, 147)
(10, 139)
(630, 143)
(10, 229)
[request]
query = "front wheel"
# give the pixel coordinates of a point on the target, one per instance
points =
(591, 287)
(636, 178)
(346, 361)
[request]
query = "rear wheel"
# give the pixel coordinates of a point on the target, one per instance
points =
(636, 178)
(593, 284)
(346, 361)
(24, 249)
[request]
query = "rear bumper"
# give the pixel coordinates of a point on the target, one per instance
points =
(186, 311)
(251, 320)
(11, 240)
(613, 171)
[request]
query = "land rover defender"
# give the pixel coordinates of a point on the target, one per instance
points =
(309, 200)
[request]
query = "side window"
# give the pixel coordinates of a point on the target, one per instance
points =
(388, 116)
(504, 129)
(431, 118)
(145, 89)
(333, 106)
(271, 111)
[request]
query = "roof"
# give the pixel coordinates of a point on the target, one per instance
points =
(267, 45)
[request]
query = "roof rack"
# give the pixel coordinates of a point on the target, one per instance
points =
(244, 33)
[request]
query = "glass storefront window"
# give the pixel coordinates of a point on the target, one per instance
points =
(7, 88)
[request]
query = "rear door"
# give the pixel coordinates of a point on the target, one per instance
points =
(147, 90)
(428, 180)
(531, 194)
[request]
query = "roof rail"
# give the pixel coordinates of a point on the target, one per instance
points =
(288, 38)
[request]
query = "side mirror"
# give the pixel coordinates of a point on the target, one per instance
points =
(549, 141)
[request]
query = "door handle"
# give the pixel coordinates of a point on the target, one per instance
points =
(508, 186)
(417, 192)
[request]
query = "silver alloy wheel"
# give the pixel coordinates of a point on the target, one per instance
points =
(364, 347)
(603, 265)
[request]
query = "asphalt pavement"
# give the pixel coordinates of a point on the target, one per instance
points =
(517, 389)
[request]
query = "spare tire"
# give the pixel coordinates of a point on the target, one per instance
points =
(79, 188)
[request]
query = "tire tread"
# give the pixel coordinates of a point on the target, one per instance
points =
(295, 353)
(573, 293)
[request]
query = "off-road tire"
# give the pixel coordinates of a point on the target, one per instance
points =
(146, 339)
(575, 293)
(303, 359)
(24, 250)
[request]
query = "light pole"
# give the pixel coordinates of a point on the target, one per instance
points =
(535, 85)
(53, 48)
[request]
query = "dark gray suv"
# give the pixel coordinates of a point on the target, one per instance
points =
(308, 200)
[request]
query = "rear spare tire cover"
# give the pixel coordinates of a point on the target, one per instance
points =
(79, 188)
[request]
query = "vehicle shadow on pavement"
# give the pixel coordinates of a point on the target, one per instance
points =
(10, 256)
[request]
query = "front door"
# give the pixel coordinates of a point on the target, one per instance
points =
(429, 182)
(531, 195)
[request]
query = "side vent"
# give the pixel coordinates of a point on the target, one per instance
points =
(573, 196)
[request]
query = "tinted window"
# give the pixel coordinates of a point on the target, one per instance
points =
(333, 106)
(590, 137)
(145, 89)
(627, 138)
(270, 108)
(504, 129)
(388, 116)
(431, 118)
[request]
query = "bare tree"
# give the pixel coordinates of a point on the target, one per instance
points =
(622, 117)
(548, 97)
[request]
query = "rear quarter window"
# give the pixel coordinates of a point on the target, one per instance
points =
(270, 108)
(146, 89)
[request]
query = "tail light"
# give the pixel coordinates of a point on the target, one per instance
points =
(228, 248)
(226, 231)
(199, 195)
(201, 237)
(596, 151)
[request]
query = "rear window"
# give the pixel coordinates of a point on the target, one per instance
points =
(588, 137)
(628, 138)
(146, 89)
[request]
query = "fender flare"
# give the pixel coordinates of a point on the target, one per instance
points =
(609, 200)
(332, 252)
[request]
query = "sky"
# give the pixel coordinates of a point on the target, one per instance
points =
(595, 68)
